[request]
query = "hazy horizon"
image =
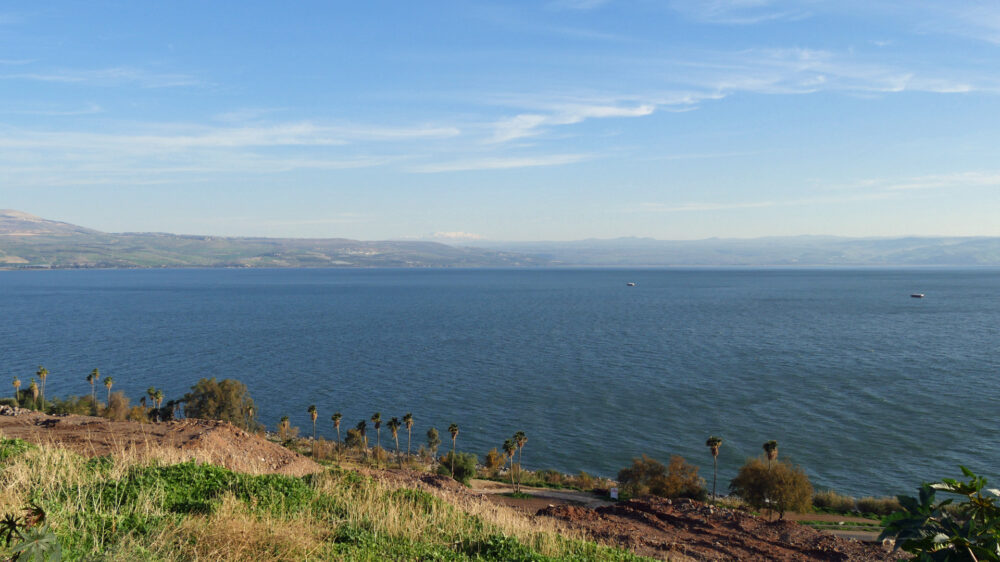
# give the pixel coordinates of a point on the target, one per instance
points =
(505, 121)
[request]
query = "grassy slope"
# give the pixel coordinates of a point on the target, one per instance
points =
(120, 508)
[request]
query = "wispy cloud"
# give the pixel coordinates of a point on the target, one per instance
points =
(115, 76)
(953, 180)
(499, 163)
(530, 124)
(737, 12)
(90, 109)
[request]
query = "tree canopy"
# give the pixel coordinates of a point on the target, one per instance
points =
(226, 400)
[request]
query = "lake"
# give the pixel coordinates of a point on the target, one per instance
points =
(870, 390)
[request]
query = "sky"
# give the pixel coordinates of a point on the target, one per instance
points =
(535, 120)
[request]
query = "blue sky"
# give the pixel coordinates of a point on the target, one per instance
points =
(554, 120)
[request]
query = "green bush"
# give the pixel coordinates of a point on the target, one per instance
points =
(779, 486)
(648, 476)
(226, 400)
(80, 405)
(10, 448)
(465, 466)
(968, 530)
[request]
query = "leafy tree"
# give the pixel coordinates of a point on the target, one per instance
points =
(313, 414)
(453, 430)
(781, 487)
(108, 381)
(433, 441)
(226, 400)
(508, 448)
(967, 530)
(408, 422)
(648, 476)
(462, 466)
(42, 374)
(17, 388)
(494, 461)
(336, 423)
(92, 378)
(118, 406)
(770, 451)
(394, 425)
(714, 443)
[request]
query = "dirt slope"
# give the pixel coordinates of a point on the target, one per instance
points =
(217, 442)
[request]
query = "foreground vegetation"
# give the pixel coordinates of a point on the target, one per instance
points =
(121, 508)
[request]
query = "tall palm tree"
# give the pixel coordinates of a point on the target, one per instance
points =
(108, 381)
(336, 424)
(34, 394)
(520, 439)
(453, 430)
(151, 392)
(92, 378)
(508, 448)
(43, 374)
(377, 422)
(313, 414)
(283, 427)
(771, 450)
(394, 425)
(158, 396)
(408, 421)
(17, 389)
(714, 443)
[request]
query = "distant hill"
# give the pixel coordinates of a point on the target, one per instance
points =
(27, 241)
(774, 251)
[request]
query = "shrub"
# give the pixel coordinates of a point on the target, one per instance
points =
(833, 501)
(118, 407)
(648, 476)
(138, 414)
(781, 487)
(465, 466)
(494, 462)
(80, 405)
(9, 401)
(226, 400)
(968, 530)
(879, 506)
(583, 481)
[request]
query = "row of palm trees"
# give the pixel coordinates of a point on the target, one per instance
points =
(38, 392)
(511, 445)
(714, 443)
(394, 424)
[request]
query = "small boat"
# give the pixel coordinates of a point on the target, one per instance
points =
(631, 284)
(917, 295)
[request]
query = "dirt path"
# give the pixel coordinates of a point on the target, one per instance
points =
(586, 499)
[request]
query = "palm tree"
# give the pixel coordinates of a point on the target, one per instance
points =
(508, 448)
(771, 450)
(313, 414)
(714, 443)
(43, 374)
(394, 425)
(92, 378)
(520, 439)
(283, 427)
(453, 430)
(408, 421)
(158, 396)
(17, 390)
(377, 422)
(151, 392)
(34, 393)
(336, 424)
(108, 381)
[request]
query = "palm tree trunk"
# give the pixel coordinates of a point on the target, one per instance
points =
(715, 475)
(407, 442)
(398, 458)
(453, 457)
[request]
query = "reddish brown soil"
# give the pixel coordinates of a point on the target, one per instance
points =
(204, 440)
(690, 530)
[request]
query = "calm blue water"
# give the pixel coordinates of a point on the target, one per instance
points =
(870, 390)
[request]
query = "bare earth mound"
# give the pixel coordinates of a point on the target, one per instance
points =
(690, 530)
(216, 442)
